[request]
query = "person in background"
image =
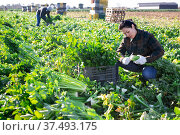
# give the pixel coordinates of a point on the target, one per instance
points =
(138, 43)
(41, 13)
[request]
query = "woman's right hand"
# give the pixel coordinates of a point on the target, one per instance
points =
(126, 61)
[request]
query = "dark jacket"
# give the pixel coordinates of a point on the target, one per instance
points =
(43, 11)
(144, 43)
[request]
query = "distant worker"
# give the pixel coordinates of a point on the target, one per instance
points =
(42, 12)
(5, 8)
(138, 43)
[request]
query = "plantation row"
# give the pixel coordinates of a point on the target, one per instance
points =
(41, 71)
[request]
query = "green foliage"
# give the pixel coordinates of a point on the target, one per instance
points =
(41, 71)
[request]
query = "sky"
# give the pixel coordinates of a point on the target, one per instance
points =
(111, 3)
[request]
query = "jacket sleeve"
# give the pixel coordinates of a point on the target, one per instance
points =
(157, 49)
(48, 14)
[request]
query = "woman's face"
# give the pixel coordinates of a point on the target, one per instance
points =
(129, 32)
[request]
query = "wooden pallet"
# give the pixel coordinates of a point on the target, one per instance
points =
(115, 15)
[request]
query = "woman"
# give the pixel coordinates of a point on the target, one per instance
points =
(141, 43)
(41, 13)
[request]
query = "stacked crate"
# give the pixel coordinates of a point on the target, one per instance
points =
(24, 8)
(28, 9)
(98, 9)
(115, 15)
(33, 8)
(80, 6)
(94, 9)
(61, 8)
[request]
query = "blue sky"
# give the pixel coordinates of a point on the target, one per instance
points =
(112, 3)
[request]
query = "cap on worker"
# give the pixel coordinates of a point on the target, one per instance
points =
(49, 8)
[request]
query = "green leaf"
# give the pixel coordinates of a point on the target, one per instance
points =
(38, 114)
(43, 94)
(29, 109)
(27, 116)
(34, 101)
(135, 58)
(56, 82)
(139, 100)
(177, 110)
(17, 117)
(159, 97)
(71, 83)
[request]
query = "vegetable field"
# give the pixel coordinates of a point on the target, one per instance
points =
(41, 71)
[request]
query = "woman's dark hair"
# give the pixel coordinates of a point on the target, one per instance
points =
(127, 24)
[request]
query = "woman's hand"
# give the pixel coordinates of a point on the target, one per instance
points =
(126, 60)
(142, 60)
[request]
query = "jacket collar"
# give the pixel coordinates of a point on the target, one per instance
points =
(137, 37)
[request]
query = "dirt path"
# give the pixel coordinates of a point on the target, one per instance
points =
(148, 15)
(168, 15)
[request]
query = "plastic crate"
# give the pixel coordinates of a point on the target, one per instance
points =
(101, 74)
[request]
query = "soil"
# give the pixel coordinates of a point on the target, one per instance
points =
(168, 15)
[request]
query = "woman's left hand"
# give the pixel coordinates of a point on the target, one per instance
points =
(142, 60)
